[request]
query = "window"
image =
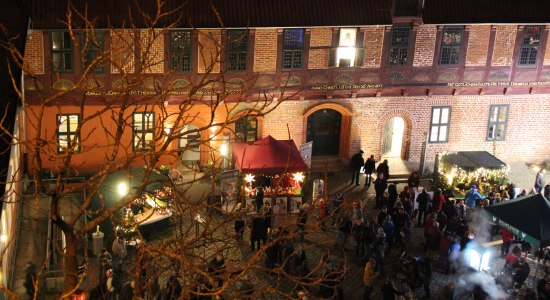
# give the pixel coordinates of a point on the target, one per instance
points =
(237, 44)
(66, 132)
(530, 45)
(399, 45)
(345, 54)
(144, 127)
(293, 44)
(450, 45)
(94, 45)
(498, 119)
(180, 51)
(62, 51)
(246, 129)
(439, 127)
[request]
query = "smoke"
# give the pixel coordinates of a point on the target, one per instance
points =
(468, 282)
(478, 221)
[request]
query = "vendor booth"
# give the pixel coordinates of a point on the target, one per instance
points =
(277, 167)
(149, 211)
(462, 169)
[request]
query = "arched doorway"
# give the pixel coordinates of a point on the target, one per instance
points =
(393, 134)
(323, 129)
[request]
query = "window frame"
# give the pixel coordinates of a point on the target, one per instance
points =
(293, 51)
(174, 51)
(528, 46)
(399, 48)
(93, 48)
(64, 51)
(451, 46)
(246, 128)
(497, 122)
(141, 147)
(67, 133)
(237, 49)
(439, 125)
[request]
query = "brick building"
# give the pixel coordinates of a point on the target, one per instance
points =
(376, 75)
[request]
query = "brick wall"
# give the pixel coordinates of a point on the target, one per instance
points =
(34, 52)
(152, 50)
(209, 50)
(373, 43)
(425, 46)
(478, 43)
(122, 51)
(505, 41)
(265, 50)
(320, 43)
(468, 129)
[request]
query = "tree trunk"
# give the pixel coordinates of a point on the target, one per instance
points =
(71, 263)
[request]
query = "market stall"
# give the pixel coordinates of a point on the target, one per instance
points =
(276, 167)
(462, 169)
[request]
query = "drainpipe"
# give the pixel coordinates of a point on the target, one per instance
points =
(23, 127)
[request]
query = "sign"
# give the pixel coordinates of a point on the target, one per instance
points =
(229, 189)
(518, 233)
(305, 151)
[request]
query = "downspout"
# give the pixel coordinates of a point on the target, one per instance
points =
(24, 115)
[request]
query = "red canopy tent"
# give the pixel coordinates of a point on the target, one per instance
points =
(268, 156)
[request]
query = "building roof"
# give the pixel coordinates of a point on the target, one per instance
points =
(469, 160)
(49, 14)
(486, 11)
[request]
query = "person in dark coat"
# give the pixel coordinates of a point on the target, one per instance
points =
(127, 291)
(30, 277)
(356, 164)
(380, 187)
(259, 200)
(384, 168)
(173, 288)
(392, 195)
(370, 167)
(256, 229)
(423, 200)
(539, 181)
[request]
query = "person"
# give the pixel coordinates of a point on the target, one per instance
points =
(510, 259)
(521, 272)
(323, 212)
(384, 168)
(302, 221)
(507, 239)
(370, 166)
(239, 221)
(369, 277)
(543, 287)
(438, 200)
(427, 267)
(413, 182)
(392, 195)
(259, 199)
(388, 228)
(511, 188)
(119, 251)
(256, 227)
(30, 277)
(344, 230)
(539, 181)
(546, 192)
(380, 186)
(504, 196)
(473, 197)
(127, 291)
(216, 269)
(423, 200)
(357, 162)
(382, 215)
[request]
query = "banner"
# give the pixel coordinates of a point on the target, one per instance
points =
(305, 151)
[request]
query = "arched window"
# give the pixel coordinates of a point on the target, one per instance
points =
(246, 129)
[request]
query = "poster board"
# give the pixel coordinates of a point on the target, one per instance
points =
(306, 151)
(229, 190)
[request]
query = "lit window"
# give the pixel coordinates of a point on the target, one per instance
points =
(345, 55)
(439, 125)
(66, 132)
(530, 45)
(498, 120)
(62, 51)
(143, 133)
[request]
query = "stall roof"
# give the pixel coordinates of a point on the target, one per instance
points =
(473, 160)
(268, 156)
(518, 216)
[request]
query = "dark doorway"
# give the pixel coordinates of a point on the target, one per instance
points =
(323, 128)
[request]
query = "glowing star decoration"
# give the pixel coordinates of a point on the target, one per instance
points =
(249, 178)
(298, 177)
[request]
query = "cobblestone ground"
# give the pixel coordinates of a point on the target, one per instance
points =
(316, 244)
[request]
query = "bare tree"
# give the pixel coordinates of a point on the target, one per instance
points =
(211, 99)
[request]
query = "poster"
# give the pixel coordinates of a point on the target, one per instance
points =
(229, 189)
